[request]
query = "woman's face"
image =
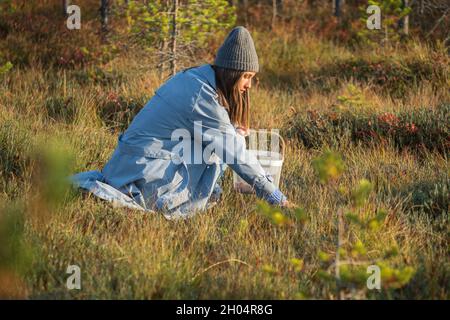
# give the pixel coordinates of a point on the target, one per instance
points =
(245, 82)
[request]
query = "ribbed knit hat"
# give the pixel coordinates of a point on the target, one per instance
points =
(238, 51)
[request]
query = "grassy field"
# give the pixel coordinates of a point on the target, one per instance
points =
(322, 97)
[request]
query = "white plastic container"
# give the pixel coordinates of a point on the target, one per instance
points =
(272, 163)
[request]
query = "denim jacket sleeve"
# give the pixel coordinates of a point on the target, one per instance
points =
(213, 127)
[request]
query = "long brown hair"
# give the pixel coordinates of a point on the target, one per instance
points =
(236, 103)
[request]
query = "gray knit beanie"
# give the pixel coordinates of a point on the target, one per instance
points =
(238, 52)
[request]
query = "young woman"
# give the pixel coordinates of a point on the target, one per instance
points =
(207, 107)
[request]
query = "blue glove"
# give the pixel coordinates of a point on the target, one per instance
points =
(276, 197)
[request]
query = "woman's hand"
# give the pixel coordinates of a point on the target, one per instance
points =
(288, 204)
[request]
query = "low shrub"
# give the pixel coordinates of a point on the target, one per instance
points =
(420, 129)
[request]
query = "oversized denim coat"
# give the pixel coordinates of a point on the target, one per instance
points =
(149, 171)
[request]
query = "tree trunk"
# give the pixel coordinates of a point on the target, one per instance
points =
(162, 62)
(386, 37)
(406, 19)
(173, 60)
(104, 10)
(65, 4)
(337, 8)
(403, 23)
(274, 13)
(164, 44)
(246, 12)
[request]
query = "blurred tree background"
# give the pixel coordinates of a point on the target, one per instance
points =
(177, 32)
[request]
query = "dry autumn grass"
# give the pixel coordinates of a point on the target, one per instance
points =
(232, 251)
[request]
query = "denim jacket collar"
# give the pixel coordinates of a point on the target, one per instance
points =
(207, 72)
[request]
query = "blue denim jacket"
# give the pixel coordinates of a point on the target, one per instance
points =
(149, 171)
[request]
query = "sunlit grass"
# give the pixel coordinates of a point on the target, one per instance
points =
(230, 251)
